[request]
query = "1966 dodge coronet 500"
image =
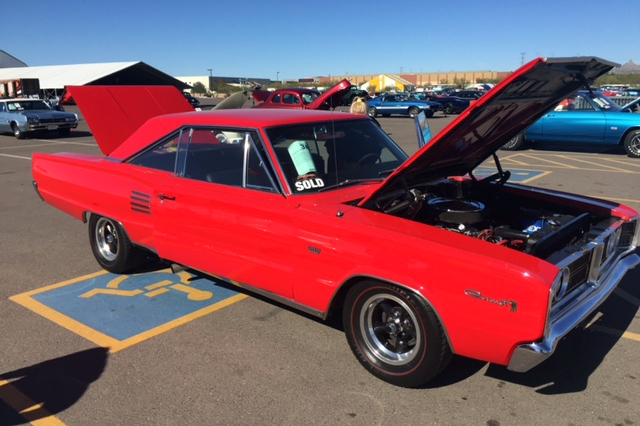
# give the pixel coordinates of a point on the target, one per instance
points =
(322, 211)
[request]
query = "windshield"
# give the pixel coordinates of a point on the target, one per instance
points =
(317, 156)
(27, 106)
(307, 98)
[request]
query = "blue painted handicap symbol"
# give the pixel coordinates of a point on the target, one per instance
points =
(516, 175)
(123, 306)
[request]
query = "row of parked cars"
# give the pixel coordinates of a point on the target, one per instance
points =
(412, 104)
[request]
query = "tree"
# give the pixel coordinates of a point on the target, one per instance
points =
(199, 88)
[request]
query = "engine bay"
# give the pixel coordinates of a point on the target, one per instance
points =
(490, 211)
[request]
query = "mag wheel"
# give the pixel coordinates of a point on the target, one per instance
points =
(372, 112)
(448, 109)
(413, 112)
(19, 134)
(632, 143)
(515, 143)
(394, 334)
(111, 247)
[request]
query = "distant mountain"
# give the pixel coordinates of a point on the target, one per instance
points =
(628, 68)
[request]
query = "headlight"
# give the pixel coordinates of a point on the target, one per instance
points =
(560, 285)
(33, 120)
(70, 119)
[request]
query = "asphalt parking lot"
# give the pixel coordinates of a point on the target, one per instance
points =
(72, 354)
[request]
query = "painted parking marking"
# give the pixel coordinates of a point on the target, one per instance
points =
(564, 162)
(29, 410)
(592, 163)
(118, 311)
(15, 156)
(520, 176)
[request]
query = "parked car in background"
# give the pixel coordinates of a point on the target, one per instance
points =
(24, 116)
(388, 104)
(324, 213)
(588, 117)
(468, 94)
(347, 99)
(192, 101)
(450, 104)
(302, 98)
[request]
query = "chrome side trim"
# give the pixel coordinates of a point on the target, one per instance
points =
(528, 355)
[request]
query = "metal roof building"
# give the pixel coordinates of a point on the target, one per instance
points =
(54, 77)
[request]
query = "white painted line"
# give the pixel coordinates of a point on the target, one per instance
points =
(62, 143)
(15, 156)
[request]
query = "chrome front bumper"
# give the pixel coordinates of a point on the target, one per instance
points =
(527, 356)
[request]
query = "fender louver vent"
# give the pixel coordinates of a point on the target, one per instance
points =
(140, 202)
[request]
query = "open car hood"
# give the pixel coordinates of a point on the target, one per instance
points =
(499, 115)
(332, 97)
(113, 113)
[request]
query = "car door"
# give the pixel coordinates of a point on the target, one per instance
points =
(223, 213)
(4, 118)
(574, 120)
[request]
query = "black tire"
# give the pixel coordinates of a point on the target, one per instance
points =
(632, 143)
(394, 334)
(19, 134)
(448, 109)
(515, 143)
(64, 132)
(111, 246)
(428, 113)
(372, 112)
(413, 112)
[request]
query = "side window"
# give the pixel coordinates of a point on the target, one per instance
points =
(580, 103)
(215, 156)
(2, 106)
(258, 174)
(163, 155)
(276, 99)
(290, 98)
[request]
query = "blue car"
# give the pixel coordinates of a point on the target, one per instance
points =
(23, 116)
(588, 117)
(388, 104)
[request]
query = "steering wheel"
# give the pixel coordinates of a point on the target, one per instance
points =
(366, 159)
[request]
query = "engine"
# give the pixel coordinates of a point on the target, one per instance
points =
(492, 212)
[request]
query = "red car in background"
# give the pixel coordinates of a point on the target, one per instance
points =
(323, 212)
(302, 98)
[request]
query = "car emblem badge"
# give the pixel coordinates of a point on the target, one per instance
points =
(477, 295)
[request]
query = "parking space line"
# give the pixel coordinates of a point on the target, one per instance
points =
(595, 164)
(632, 163)
(15, 156)
(615, 332)
(545, 173)
(101, 339)
(568, 166)
(66, 142)
(25, 407)
(628, 297)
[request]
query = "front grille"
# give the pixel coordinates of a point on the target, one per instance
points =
(51, 120)
(627, 233)
(579, 271)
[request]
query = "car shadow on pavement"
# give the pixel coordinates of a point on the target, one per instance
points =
(47, 388)
(583, 349)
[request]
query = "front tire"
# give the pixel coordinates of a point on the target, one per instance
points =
(515, 143)
(632, 144)
(394, 334)
(448, 109)
(111, 246)
(19, 134)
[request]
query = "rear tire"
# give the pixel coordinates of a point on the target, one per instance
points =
(394, 334)
(515, 143)
(632, 144)
(372, 112)
(448, 109)
(413, 112)
(111, 246)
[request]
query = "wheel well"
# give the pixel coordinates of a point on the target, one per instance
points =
(624, 135)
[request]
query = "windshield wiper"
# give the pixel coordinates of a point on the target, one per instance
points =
(386, 172)
(349, 182)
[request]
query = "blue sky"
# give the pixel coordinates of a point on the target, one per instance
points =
(302, 39)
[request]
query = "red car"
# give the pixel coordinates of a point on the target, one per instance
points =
(323, 212)
(301, 98)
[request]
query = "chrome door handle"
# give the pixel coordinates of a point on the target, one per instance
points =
(166, 197)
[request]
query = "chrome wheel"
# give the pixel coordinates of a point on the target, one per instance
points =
(390, 329)
(413, 112)
(106, 238)
(632, 144)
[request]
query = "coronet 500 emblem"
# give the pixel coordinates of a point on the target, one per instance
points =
(477, 295)
(301, 185)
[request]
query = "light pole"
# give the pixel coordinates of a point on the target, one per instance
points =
(277, 76)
